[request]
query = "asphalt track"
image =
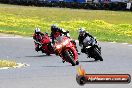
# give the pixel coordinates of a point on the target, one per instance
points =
(49, 72)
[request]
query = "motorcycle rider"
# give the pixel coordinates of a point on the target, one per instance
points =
(37, 36)
(55, 29)
(82, 35)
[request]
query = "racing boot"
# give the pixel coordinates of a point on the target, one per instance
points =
(63, 61)
(56, 53)
(40, 47)
(78, 51)
(88, 56)
(83, 50)
(37, 49)
(73, 41)
(50, 47)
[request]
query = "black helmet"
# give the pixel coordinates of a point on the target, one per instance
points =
(53, 28)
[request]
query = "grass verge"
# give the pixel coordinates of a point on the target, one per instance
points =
(105, 25)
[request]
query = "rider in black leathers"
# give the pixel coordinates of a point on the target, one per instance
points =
(82, 35)
(55, 29)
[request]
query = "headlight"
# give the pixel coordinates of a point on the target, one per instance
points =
(65, 42)
(58, 46)
(88, 46)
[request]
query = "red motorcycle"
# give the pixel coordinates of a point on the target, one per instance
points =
(66, 50)
(44, 44)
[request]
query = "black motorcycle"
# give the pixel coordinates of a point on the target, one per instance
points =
(92, 48)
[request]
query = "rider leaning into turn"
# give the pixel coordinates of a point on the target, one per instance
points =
(82, 35)
(55, 29)
(37, 36)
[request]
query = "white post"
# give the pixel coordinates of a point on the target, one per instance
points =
(128, 5)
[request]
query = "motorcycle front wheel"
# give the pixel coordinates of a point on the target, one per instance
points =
(98, 55)
(69, 57)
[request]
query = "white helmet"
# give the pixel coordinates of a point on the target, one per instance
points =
(37, 30)
(82, 31)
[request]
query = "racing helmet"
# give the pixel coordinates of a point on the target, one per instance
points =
(53, 28)
(37, 30)
(82, 31)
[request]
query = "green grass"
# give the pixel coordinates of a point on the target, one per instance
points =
(105, 25)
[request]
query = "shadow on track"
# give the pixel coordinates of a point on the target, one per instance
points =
(39, 56)
(58, 66)
(89, 61)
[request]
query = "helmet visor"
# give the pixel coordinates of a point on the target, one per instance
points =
(81, 33)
